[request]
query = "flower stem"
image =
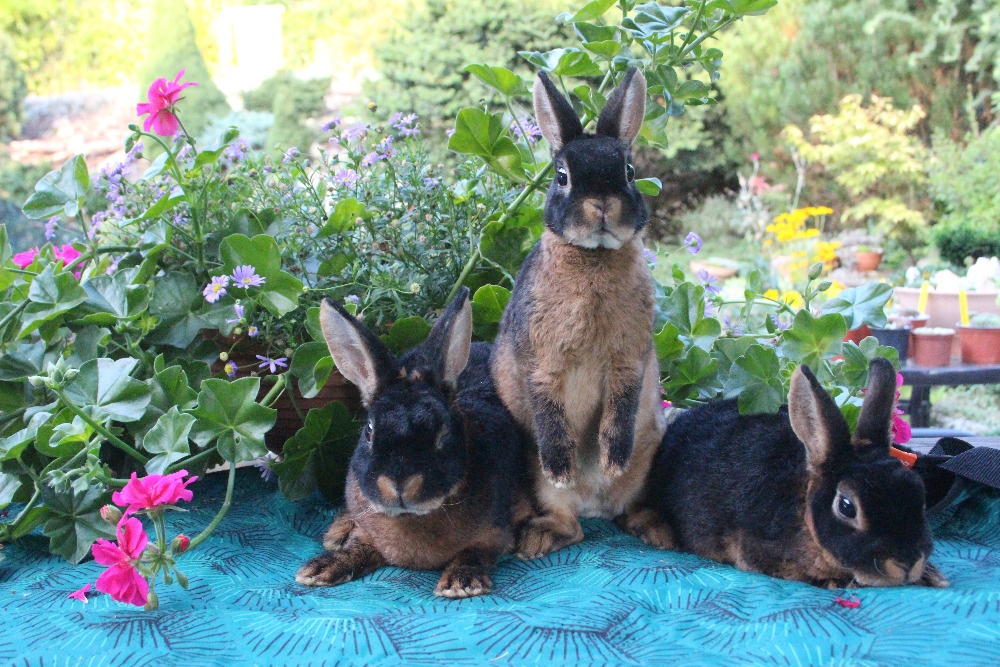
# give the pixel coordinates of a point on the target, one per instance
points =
(13, 314)
(222, 511)
(100, 428)
(272, 396)
(192, 459)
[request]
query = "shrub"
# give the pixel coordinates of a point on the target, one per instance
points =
(12, 91)
(958, 240)
(174, 48)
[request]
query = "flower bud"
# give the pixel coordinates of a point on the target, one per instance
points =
(816, 271)
(71, 373)
(152, 601)
(181, 578)
(223, 356)
(180, 544)
(111, 514)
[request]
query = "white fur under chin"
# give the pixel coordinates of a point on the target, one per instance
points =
(598, 239)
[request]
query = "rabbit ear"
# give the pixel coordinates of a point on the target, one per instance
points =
(815, 418)
(358, 353)
(555, 115)
(622, 115)
(875, 418)
(450, 340)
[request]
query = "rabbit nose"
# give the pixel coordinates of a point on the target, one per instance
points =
(396, 493)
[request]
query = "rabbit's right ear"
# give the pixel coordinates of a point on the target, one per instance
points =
(875, 418)
(555, 115)
(450, 341)
(816, 419)
(358, 353)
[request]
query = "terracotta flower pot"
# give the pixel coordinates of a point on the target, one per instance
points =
(858, 335)
(932, 347)
(717, 271)
(867, 260)
(898, 338)
(980, 345)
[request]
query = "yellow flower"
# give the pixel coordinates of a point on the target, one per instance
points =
(835, 289)
(793, 298)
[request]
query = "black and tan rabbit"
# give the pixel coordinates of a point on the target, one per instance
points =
(794, 495)
(435, 476)
(574, 359)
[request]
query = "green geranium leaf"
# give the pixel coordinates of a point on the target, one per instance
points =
(318, 454)
(649, 186)
(75, 522)
(230, 412)
(343, 216)
(106, 385)
(51, 294)
(755, 379)
(668, 343)
(62, 435)
(312, 365)
(9, 484)
(407, 333)
(507, 245)
(564, 62)
(593, 10)
(111, 298)
(499, 78)
(810, 339)
(312, 325)
(168, 440)
(174, 295)
(485, 135)
(61, 190)
(728, 350)
(24, 360)
(695, 373)
(654, 22)
(488, 303)
(864, 304)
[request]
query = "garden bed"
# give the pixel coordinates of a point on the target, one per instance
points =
(609, 599)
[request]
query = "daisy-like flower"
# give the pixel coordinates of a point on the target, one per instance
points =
(346, 177)
(709, 281)
(230, 369)
(238, 309)
(329, 125)
(216, 289)
(272, 364)
(369, 159)
(290, 155)
(246, 276)
(693, 243)
(353, 298)
(252, 331)
(650, 257)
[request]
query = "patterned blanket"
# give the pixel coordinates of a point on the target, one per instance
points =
(609, 600)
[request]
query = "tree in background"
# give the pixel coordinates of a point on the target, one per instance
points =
(12, 91)
(172, 48)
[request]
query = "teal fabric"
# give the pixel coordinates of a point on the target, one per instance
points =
(609, 600)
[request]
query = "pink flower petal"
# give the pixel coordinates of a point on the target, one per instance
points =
(165, 123)
(132, 538)
(24, 259)
(80, 595)
(124, 584)
(108, 553)
(901, 431)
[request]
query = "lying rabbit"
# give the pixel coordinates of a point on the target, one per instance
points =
(793, 495)
(574, 359)
(433, 480)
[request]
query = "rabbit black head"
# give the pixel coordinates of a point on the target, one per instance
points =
(593, 201)
(411, 455)
(863, 507)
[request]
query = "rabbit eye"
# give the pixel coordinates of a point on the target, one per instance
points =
(562, 176)
(369, 429)
(629, 172)
(846, 508)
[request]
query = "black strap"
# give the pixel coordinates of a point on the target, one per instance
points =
(951, 466)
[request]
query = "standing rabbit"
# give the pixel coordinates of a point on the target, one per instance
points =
(574, 359)
(433, 480)
(793, 494)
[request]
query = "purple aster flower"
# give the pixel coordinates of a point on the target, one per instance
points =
(394, 118)
(352, 298)
(50, 227)
(236, 152)
(693, 243)
(355, 132)
(727, 323)
(238, 308)
(710, 283)
(409, 131)
(370, 159)
(252, 331)
(650, 257)
(779, 324)
(272, 364)
(385, 148)
(346, 177)
(263, 464)
(329, 125)
(246, 276)
(431, 182)
(230, 369)
(409, 119)
(709, 308)
(532, 133)
(290, 155)
(216, 289)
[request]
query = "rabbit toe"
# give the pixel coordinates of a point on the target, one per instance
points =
(648, 526)
(546, 534)
(325, 570)
(464, 582)
(338, 534)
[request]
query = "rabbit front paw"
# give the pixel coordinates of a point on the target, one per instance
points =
(464, 581)
(339, 534)
(338, 567)
(547, 533)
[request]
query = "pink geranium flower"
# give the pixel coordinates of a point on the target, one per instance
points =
(122, 581)
(152, 491)
(24, 259)
(65, 253)
(901, 431)
(80, 595)
(163, 95)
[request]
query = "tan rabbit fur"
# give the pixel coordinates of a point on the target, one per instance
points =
(574, 359)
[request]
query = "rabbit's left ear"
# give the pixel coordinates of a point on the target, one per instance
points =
(450, 340)
(875, 418)
(815, 418)
(622, 115)
(556, 119)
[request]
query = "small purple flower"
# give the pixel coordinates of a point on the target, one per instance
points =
(216, 289)
(370, 159)
(113, 266)
(263, 464)
(448, 133)
(409, 132)
(50, 227)
(409, 119)
(385, 148)
(727, 323)
(650, 257)
(353, 298)
(272, 364)
(779, 324)
(709, 308)
(236, 152)
(532, 133)
(246, 276)
(355, 132)
(394, 118)
(238, 308)
(710, 283)
(290, 155)
(230, 369)
(329, 125)
(346, 178)
(431, 182)
(252, 331)
(693, 243)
